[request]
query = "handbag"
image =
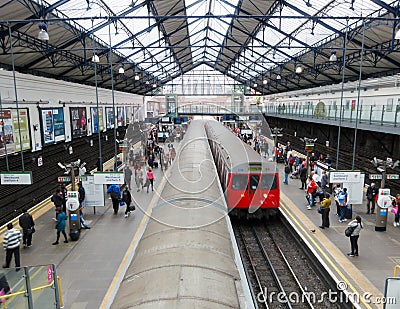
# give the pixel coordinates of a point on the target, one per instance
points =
(31, 230)
(394, 210)
(319, 209)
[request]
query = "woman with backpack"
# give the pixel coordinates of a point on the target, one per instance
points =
(356, 225)
(115, 194)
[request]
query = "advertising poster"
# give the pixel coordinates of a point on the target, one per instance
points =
(127, 114)
(96, 116)
(110, 118)
(121, 116)
(52, 120)
(24, 129)
(9, 135)
(78, 121)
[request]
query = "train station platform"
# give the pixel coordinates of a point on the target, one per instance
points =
(88, 267)
(379, 252)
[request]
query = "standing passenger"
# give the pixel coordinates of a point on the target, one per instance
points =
(287, 172)
(11, 243)
(61, 224)
(325, 206)
(128, 176)
(372, 193)
(357, 225)
(342, 199)
(27, 224)
(395, 210)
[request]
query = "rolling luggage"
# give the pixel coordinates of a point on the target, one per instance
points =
(348, 212)
(155, 164)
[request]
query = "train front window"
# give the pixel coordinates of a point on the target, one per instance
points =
(268, 182)
(254, 180)
(239, 182)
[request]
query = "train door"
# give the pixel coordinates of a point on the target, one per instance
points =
(254, 180)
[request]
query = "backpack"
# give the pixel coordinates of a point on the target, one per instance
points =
(114, 195)
(349, 230)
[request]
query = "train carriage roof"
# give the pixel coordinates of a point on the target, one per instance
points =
(237, 153)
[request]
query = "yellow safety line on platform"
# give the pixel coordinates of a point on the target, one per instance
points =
(125, 259)
(332, 263)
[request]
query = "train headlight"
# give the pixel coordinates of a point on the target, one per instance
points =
(242, 195)
(265, 195)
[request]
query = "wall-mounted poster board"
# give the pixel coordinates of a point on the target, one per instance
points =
(97, 119)
(120, 116)
(128, 114)
(9, 134)
(110, 118)
(52, 123)
(78, 121)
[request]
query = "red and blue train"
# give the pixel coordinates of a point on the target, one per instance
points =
(250, 182)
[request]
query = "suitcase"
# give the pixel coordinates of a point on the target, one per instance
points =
(155, 164)
(348, 212)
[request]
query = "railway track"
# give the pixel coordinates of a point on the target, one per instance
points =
(280, 274)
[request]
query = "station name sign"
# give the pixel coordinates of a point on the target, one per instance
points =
(108, 178)
(344, 176)
(16, 178)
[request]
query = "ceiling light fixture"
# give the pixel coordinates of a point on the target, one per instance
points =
(278, 77)
(397, 35)
(95, 58)
(43, 35)
(333, 57)
(265, 81)
(121, 70)
(299, 70)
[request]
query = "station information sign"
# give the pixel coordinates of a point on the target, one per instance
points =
(109, 178)
(16, 178)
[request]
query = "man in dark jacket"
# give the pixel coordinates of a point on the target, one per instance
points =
(57, 198)
(81, 198)
(372, 193)
(27, 225)
(303, 177)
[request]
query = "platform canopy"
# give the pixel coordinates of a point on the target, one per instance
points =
(268, 46)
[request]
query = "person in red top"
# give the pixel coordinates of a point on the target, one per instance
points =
(150, 178)
(311, 191)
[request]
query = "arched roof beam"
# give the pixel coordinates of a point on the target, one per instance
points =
(390, 9)
(115, 17)
(283, 53)
(250, 35)
(53, 6)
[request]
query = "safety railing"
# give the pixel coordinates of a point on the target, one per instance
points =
(211, 109)
(30, 287)
(366, 114)
(397, 267)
